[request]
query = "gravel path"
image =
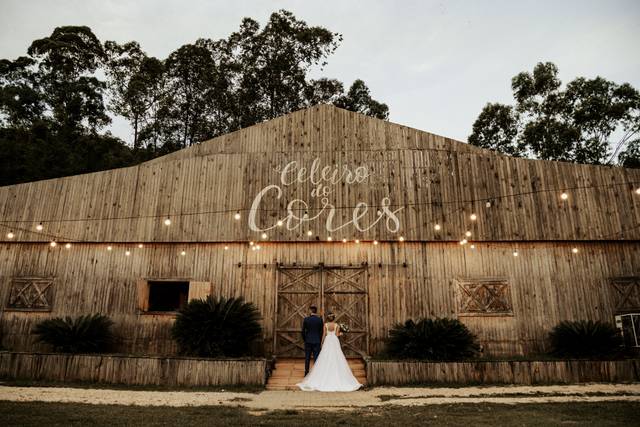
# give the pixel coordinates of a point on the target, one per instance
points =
(270, 400)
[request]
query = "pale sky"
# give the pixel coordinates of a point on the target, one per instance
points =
(435, 63)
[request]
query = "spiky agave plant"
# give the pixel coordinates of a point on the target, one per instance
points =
(216, 327)
(584, 339)
(432, 339)
(84, 334)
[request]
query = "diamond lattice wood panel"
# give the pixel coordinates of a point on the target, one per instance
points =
(31, 294)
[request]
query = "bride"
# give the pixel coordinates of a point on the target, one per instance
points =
(331, 371)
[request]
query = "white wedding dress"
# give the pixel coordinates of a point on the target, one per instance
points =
(331, 371)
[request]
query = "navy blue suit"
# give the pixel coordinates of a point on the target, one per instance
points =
(312, 336)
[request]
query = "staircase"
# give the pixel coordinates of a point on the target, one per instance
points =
(288, 372)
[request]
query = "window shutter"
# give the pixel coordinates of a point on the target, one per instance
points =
(199, 290)
(143, 295)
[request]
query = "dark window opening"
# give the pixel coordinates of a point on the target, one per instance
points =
(167, 296)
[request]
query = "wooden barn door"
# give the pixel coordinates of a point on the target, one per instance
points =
(340, 290)
(298, 288)
(345, 294)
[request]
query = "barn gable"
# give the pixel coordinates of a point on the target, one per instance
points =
(423, 179)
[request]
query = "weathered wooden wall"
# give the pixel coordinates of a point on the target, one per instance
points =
(132, 370)
(432, 177)
(548, 284)
(501, 372)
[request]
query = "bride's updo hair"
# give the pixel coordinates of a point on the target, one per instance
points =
(331, 317)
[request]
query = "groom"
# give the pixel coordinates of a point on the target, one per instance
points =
(312, 337)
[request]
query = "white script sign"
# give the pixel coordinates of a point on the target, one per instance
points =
(323, 180)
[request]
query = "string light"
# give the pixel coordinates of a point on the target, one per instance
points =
(251, 243)
(39, 227)
(264, 236)
(437, 227)
(472, 246)
(183, 253)
(344, 240)
(515, 253)
(257, 247)
(140, 245)
(329, 239)
(357, 241)
(109, 248)
(488, 204)
(67, 246)
(309, 233)
(401, 238)
(638, 190)
(468, 234)
(53, 244)
(167, 221)
(375, 242)
(473, 217)
(279, 223)
(10, 235)
(253, 248)
(127, 253)
(237, 216)
(464, 241)
(574, 250)
(226, 248)
(564, 196)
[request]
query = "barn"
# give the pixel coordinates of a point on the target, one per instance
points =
(373, 221)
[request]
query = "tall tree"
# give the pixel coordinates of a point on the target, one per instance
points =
(66, 62)
(589, 121)
(136, 86)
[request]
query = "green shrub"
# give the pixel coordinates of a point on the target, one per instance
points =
(84, 334)
(431, 339)
(584, 339)
(217, 327)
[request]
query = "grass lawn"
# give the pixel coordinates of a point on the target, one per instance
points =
(579, 414)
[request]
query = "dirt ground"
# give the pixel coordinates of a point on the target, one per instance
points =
(292, 400)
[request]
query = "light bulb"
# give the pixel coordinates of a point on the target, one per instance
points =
(140, 245)
(309, 233)
(375, 242)
(488, 204)
(183, 253)
(464, 241)
(472, 246)
(226, 248)
(473, 217)
(574, 250)
(401, 238)
(167, 221)
(264, 236)
(468, 234)
(257, 247)
(251, 243)
(515, 253)
(237, 216)
(253, 248)
(68, 246)
(638, 190)
(564, 196)
(437, 227)
(109, 248)
(357, 241)
(10, 235)
(39, 227)
(329, 239)
(127, 253)
(53, 244)
(344, 240)
(279, 223)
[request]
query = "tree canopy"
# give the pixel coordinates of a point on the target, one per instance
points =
(57, 101)
(592, 121)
